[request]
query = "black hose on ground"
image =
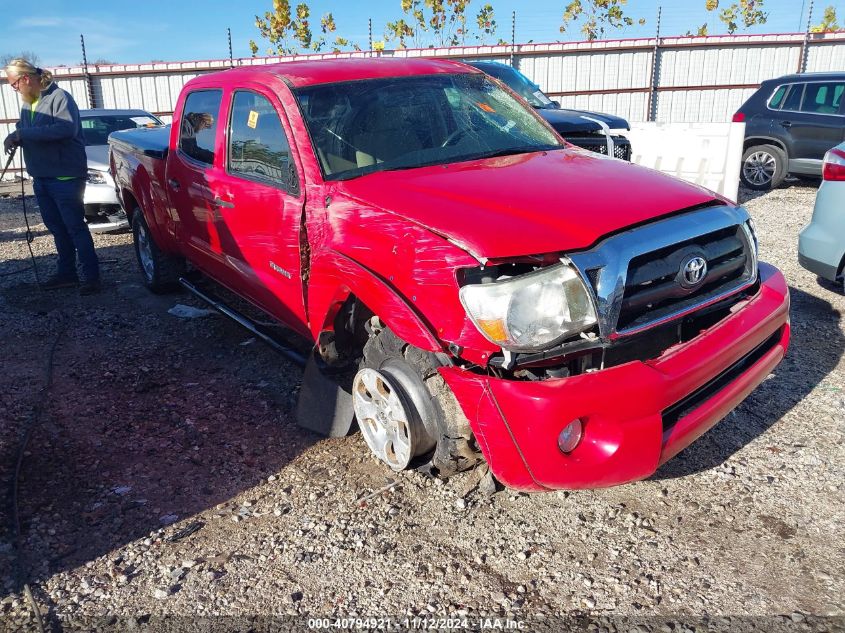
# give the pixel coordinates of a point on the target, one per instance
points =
(21, 579)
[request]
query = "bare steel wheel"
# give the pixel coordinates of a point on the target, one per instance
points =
(388, 417)
(404, 379)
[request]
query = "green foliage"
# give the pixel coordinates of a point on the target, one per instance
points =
(828, 23)
(289, 33)
(596, 16)
(746, 13)
(701, 30)
(486, 21)
(438, 23)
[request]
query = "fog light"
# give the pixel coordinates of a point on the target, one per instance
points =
(570, 436)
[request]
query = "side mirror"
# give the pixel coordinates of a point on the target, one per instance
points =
(556, 104)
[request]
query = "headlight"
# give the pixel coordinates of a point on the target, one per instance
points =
(96, 177)
(531, 311)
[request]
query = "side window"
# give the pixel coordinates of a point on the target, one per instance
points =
(199, 124)
(821, 98)
(258, 147)
(793, 97)
(777, 98)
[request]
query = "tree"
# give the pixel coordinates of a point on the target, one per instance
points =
(29, 56)
(437, 22)
(597, 16)
(289, 32)
(747, 12)
(282, 30)
(828, 22)
(486, 22)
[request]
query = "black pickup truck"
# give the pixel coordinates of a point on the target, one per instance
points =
(595, 131)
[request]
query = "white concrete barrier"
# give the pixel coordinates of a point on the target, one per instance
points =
(707, 154)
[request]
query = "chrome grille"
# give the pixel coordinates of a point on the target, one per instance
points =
(635, 274)
(652, 286)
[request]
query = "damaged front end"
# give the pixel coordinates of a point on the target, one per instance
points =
(623, 300)
(615, 358)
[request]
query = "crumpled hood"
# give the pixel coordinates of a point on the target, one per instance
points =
(98, 157)
(568, 121)
(526, 204)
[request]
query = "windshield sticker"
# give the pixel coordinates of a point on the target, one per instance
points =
(143, 121)
(253, 119)
(543, 98)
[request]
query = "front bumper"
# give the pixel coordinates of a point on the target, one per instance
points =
(632, 423)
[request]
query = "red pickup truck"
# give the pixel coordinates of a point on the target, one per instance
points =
(473, 286)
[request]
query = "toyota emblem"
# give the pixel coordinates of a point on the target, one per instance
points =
(693, 271)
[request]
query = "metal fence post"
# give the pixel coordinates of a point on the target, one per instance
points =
(89, 82)
(802, 60)
(231, 59)
(651, 115)
(513, 38)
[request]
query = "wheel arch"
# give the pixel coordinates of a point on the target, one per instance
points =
(751, 141)
(345, 283)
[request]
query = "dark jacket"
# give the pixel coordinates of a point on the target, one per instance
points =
(52, 142)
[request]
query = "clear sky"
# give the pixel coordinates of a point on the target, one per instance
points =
(140, 31)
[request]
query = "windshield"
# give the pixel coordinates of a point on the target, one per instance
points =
(96, 128)
(359, 127)
(519, 83)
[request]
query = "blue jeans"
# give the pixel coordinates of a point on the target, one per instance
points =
(62, 210)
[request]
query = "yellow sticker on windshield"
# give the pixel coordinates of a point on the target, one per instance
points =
(253, 119)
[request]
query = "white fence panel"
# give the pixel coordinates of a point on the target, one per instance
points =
(699, 80)
(707, 154)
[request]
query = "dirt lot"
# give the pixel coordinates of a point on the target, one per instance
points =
(154, 423)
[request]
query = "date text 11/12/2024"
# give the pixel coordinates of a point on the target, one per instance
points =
(417, 623)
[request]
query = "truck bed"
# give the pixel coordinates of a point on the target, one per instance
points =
(151, 141)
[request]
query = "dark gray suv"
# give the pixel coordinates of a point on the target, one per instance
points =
(790, 123)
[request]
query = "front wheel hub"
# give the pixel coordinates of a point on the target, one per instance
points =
(388, 418)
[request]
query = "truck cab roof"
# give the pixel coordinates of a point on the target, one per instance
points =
(299, 74)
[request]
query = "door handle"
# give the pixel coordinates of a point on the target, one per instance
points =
(224, 203)
(173, 184)
(786, 123)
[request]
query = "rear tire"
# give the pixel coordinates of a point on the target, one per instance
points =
(159, 270)
(763, 167)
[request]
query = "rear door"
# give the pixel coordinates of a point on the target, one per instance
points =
(816, 126)
(260, 204)
(193, 170)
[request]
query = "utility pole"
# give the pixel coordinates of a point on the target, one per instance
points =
(513, 38)
(89, 84)
(231, 59)
(370, 38)
(651, 114)
(802, 62)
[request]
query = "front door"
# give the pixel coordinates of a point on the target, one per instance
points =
(260, 205)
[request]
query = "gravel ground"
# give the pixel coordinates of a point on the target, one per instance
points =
(154, 424)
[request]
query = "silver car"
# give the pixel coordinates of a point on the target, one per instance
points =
(102, 208)
(821, 244)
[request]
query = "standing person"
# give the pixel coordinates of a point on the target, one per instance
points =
(50, 133)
